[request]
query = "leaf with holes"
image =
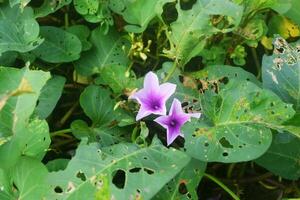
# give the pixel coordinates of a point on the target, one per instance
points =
(59, 45)
(50, 6)
(138, 13)
(281, 72)
(107, 51)
(184, 185)
(97, 105)
(19, 31)
(236, 123)
(224, 73)
(192, 28)
(49, 96)
(94, 11)
(283, 157)
(19, 90)
(126, 170)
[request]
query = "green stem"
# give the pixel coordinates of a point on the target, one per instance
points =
(68, 114)
(224, 187)
(60, 132)
(67, 17)
(171, 71)
(256, 61)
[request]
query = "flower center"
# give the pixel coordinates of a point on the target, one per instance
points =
(155, 107)
(173, 123)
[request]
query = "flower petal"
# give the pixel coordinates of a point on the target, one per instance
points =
(176, 107)
(167, 89)
(143, 112)
(172, 134)
(151, 82)
(163, 121)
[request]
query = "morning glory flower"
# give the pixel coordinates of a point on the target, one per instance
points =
(173, 122)
(153, 96)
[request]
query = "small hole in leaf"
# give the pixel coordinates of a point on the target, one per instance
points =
(225, 143)
(135, 170)
(259, 142)
(272, 104)
(149, 171)
(119, 178)
(206, 144)
(272, 112)
(224, 80)
(58, 189)
(44, 139)
(81, 176)
(240, 146)
(182, 188)
(225, 154)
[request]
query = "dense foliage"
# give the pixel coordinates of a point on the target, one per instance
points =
(101, 99)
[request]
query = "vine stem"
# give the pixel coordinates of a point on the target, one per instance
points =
(224, 187)
(256, 61)
(60, 132)
(171, 71)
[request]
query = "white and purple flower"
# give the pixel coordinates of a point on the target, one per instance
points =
(153, 96)
(174, 121)
(152, 99)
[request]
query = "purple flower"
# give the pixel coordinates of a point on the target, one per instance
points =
(173, 122)
(153, 96)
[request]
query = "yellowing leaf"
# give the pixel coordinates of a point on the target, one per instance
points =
(267, 42)
(283, 26)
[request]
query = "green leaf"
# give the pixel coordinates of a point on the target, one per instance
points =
(281, 72)
(106, 52)
(59, 45)
(282, 158)
(93, 172)
(50, 6)
(192, 28)
(105, 136)
(8, 58)
(184, 94)
(33, 140)
(138, 13)
(5, 191)
(21, 88)
(29, 177)
(118, 78)
(19, 31)
(184, 185)
(49, 96)
(57, 164)
(22, 3)
(236, 122)
(220, 72)
(97, 105)
(293, 13)
(94, 11)
(82, 32)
